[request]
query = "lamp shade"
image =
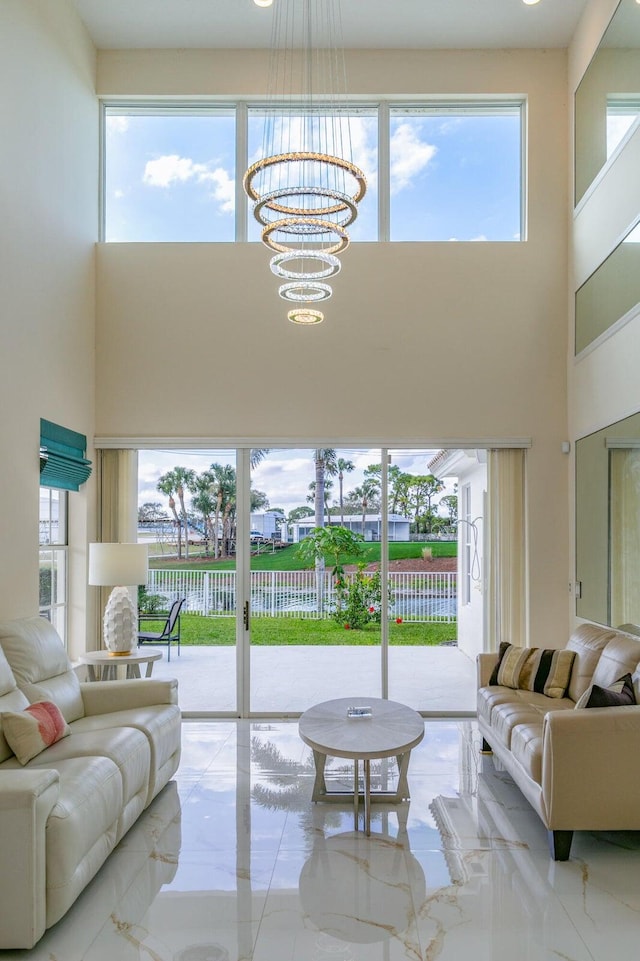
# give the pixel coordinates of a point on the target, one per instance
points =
(118, 564)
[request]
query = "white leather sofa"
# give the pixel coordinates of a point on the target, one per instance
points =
(63, 812)
(576, 767)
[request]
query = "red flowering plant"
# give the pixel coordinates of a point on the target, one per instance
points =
(359, 598)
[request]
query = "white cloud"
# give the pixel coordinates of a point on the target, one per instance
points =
(171, 169)
(409, 156)
(224, 188)
(116, 124)
(118, 194)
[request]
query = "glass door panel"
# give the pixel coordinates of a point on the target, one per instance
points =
(427, 669)
(187, 514)
(315, 630)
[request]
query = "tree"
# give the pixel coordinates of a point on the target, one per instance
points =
(311, 496)
(203, 501)
(336, 542)
(333, 541)
(422, 489)
(450, 502)
(151, 513)
(174, 482)
(366, 495)
(324, 459)
(223, 489)
(298, 513)
(343, 467)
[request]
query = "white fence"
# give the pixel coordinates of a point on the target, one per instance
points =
(428, 597)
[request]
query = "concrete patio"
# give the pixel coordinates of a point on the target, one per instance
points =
(287, 680)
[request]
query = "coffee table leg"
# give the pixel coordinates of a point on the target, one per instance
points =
(402, 792)
(355, 794)
(319, 786)
(367, 796)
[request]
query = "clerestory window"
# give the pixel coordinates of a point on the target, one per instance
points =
(436, 171)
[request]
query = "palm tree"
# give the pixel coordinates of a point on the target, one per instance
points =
(174, 482)
(343, 467)
(364, 495)
(203, 500)
(223, 489)
(325, 463)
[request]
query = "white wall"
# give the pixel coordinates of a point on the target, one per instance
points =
(422, 342)
(48, 198)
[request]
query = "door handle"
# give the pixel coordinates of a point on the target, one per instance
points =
(245, 616)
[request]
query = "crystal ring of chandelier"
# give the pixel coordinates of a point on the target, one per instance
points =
(308, 227)
(266, 205)
(303, 157)
(305, 291)
(305, 316)
(332, 263)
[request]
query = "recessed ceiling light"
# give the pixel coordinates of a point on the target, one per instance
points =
(528, 2)
(267, 3)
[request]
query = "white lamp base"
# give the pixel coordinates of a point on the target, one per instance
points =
(120, 622)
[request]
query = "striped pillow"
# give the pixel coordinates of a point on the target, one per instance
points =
(533, 669)
(30, 731)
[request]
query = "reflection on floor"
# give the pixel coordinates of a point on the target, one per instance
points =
(234, 863)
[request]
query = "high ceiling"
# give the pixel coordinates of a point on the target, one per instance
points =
(445, 24)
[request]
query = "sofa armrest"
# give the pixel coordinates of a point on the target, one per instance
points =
(485, 664)
(26, 800)
(590, 777)
(104, 697)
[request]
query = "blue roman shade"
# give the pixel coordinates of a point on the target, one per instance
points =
(62, 460)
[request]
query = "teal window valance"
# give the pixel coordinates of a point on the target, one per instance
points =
(62, 457)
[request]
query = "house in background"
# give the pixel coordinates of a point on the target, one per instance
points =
(399, 526)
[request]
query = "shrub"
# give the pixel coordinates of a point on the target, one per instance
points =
(359, 599)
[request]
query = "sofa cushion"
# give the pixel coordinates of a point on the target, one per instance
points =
(161, 725)
(523, 707)
(40, 664)
(533, 669)
(11, 699)
(619, 694)
(588, 641)
(620, 656)
(30, 731)
(82, 827)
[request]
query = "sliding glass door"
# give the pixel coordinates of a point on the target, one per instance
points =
(310, 574)
(316, 602)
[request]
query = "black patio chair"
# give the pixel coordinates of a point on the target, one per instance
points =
(170, 632)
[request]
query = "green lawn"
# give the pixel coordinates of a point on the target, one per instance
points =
(219, 631)
(287, 559)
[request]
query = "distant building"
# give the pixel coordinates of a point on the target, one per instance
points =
(399, 526)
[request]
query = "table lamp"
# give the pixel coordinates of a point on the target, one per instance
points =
(119, 564)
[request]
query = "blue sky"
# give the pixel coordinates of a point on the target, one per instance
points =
(453, 176)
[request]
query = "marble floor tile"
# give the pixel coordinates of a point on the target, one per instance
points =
(234, 862)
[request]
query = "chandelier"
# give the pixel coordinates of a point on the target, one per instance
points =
(305, 187)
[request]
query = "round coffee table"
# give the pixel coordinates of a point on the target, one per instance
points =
(391, 730)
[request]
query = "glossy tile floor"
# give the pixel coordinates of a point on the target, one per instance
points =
(233, 862)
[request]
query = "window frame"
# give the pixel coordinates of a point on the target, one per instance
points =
(56, 610)
(383, 108)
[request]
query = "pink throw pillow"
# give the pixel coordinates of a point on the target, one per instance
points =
(30, 731)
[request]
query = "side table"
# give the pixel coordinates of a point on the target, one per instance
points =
(103, 666)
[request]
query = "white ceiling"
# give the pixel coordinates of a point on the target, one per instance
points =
(452, 24)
